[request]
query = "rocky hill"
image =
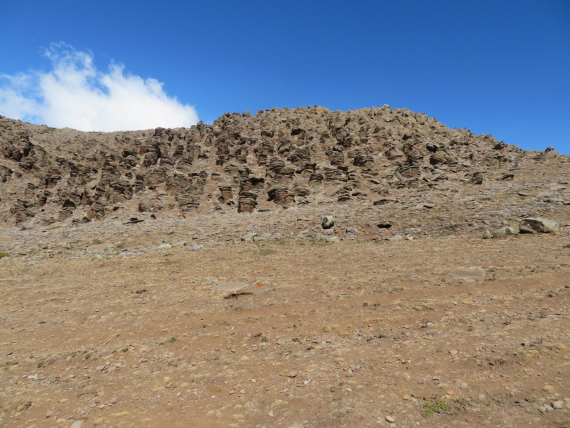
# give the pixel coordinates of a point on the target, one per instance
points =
(294, 268)
(271, 160)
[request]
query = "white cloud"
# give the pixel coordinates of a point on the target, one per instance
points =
(75, 94)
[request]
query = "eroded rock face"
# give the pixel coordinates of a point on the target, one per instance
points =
(274, 159)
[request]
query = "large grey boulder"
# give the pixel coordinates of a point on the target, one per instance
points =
(538, 225)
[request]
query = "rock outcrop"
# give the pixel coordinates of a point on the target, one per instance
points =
(274, 159)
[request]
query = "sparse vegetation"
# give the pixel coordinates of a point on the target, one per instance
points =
(431, 407)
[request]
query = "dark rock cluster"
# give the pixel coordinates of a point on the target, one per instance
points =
(275, 158)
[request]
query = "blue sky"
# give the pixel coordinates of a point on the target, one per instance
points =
(495, 67)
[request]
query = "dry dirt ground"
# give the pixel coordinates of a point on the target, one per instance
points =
(361, 334)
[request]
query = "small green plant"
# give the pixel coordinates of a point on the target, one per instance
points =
(529, 400)
(437, 406)
(4, 255)
(333, 388)
(172, 339)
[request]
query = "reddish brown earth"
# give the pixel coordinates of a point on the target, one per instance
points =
(345, 334)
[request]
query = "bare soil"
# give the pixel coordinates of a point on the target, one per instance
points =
(355, 333)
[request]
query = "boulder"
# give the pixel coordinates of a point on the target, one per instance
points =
(538, 225)
(327, 222)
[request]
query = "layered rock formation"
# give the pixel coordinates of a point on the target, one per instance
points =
(271, 160)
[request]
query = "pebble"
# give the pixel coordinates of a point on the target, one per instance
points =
(558, 404)
(390, 419)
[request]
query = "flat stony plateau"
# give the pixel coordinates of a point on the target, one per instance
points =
(246, 274)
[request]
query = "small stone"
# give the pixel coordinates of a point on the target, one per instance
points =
(406, 397)
(327, 222)
(487, 234)
(385, 224)
(548, 388)
(390, 419)
(100, 368)
(559, 404)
